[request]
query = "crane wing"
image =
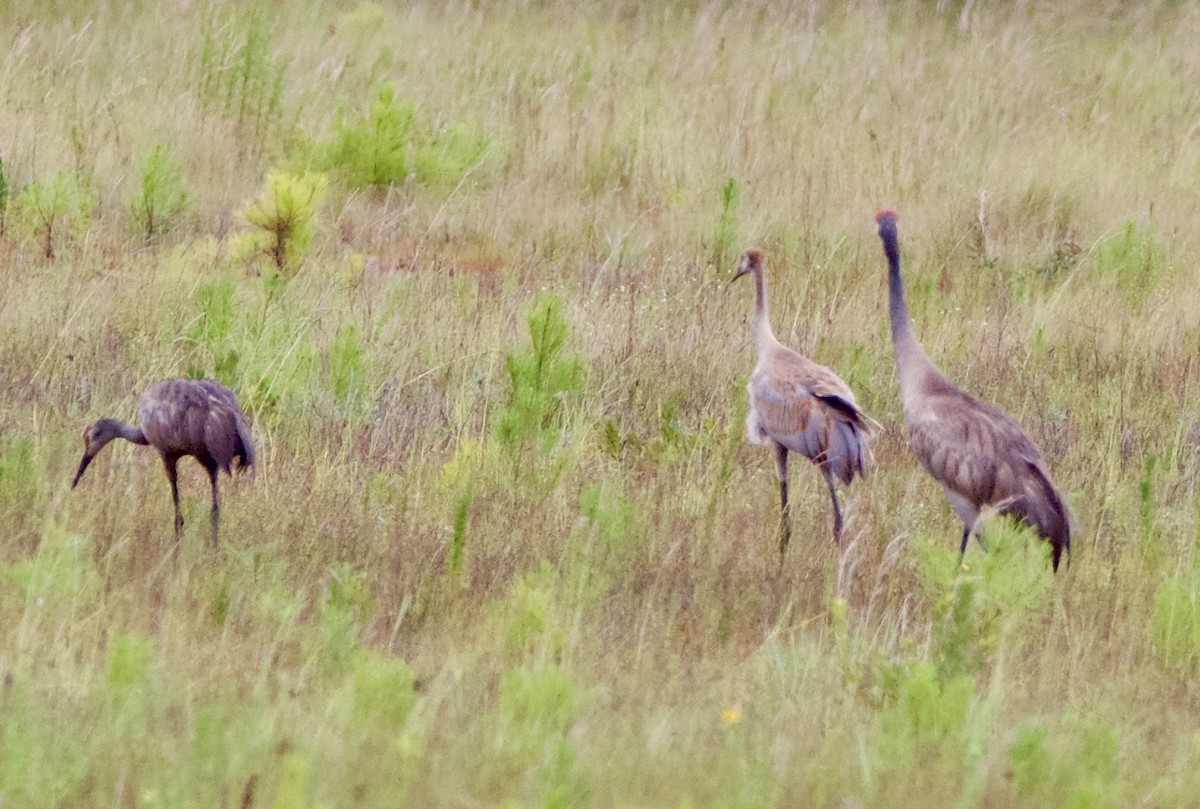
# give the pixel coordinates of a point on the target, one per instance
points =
(981, 454)
(969, 445)
(806, 408)
(226, 431)
(166, 413)
(199, 417)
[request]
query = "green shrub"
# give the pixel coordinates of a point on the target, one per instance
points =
(282, 217)
(48, 212)
(987, 600)
(928, 716)
(540, 379)
(386, 147)
(371, 151)
(160, 198)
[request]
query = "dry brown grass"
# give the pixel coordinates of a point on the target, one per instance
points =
(575, 661)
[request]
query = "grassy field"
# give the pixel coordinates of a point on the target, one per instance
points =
(506, 545)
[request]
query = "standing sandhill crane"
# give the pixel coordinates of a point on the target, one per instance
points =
(798, 405)
(979, 454)
(197, 417)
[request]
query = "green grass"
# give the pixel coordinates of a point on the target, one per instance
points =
(506, 544)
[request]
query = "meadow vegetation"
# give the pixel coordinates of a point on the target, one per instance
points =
(465, 266)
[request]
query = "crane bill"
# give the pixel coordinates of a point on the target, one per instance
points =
(83, 465)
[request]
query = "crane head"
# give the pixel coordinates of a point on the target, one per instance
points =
(95, 437)
(751, 261)
(886, 219)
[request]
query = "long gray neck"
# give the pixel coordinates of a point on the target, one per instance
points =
(134, 434)
(763, 334)
(912, 364)
(902, 333)
(128, 432)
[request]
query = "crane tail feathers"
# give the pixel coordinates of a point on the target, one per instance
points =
(1050, 514)
(848, 454)
(1039, 505)
(244, 452)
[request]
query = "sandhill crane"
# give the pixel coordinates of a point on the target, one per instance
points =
(178, 417)
(799, 406)
(979, 454)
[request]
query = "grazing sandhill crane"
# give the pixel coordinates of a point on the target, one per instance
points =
(799, 406)
(178, 417)
(979, 454)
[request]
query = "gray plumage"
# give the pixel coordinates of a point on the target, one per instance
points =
(178, 417)
(979, 454)
(799, 406)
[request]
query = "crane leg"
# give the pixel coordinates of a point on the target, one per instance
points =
(215, 516)
(837, 512)
(173, 477)
(785, 523)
